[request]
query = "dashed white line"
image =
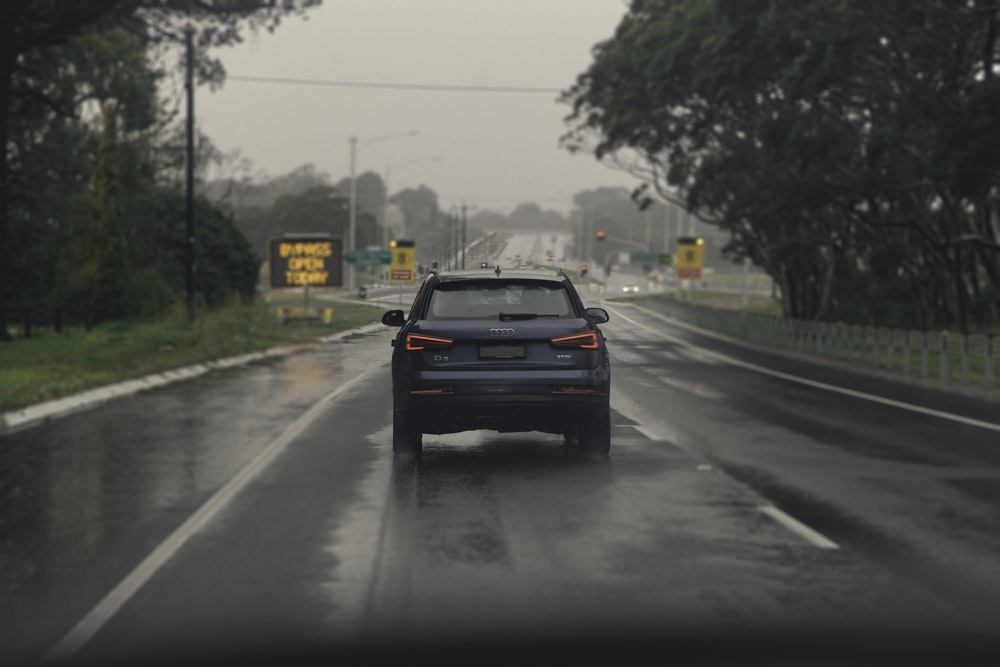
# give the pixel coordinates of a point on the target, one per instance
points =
(799, 528)
(813, 383)
(648, 433)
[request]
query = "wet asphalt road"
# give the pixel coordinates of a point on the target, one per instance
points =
(258, 513)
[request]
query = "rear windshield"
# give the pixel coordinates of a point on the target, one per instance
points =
(491, 298)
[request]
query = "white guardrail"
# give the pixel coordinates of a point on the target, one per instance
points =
(968, 360)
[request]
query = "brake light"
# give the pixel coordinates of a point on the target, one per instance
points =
(432, 390)
(584, 341)
(419, 342)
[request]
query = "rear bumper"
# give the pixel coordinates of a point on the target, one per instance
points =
(501, 408)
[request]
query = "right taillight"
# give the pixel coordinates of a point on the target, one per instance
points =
(421, 342)
(584, 341)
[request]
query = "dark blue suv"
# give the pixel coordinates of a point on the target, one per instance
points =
(500, 350)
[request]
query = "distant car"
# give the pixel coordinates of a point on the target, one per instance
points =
(516, 351)
(630, 289)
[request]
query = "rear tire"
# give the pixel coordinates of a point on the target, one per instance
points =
(406, 441)
(595, 437)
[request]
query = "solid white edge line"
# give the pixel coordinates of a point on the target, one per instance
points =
(647, 432)
(813, 383)
(797, 527)
(99, 616)
(32, 415)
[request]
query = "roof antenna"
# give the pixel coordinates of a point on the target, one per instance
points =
(497, 271)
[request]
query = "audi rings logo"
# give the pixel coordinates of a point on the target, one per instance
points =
(501, 333)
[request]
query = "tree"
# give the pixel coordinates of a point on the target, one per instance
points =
(831, 156)
(370, 196)
(423, 222)
(28, 28)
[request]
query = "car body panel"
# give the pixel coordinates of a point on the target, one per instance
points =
(473, 353)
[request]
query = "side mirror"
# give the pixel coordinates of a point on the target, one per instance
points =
(393, 318)
(597, 315)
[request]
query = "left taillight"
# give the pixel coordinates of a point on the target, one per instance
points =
(584, 341)
(420, 342)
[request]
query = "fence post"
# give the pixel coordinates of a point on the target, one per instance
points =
(964, 374)
(988, 368)
(906, 352)
(876, 341)
(943, 365)
(850, 349)
(923, 356)
(892, 350)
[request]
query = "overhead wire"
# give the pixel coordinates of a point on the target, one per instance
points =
(379, 85)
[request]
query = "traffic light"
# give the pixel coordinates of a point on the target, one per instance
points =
(583, 270)
(600, 234)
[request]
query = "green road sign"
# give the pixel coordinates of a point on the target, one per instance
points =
(369, 257)
(650, 258)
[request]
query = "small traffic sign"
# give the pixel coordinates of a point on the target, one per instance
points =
(369, 257)
(649, 258)
(690, 257)
(401, 268)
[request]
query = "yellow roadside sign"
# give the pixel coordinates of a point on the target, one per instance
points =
(690, 257)
(401, 269)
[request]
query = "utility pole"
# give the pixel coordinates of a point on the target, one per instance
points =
(353, 215)
(463, 236)
(385, 209)
(189, 177)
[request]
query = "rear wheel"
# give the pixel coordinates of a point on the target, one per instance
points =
(595, 435)
(406, 440)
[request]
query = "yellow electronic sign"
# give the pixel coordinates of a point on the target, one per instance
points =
(402, 266)
(690, 257)
(306, 261)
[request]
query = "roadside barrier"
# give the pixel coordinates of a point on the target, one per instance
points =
(962, 359)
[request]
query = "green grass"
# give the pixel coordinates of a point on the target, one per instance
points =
(756, 304)
(50, 365)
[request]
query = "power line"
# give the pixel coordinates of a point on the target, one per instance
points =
(395, 86)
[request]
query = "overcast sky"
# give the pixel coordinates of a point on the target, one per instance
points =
(496, 149)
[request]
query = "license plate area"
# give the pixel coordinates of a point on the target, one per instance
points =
(501, 352)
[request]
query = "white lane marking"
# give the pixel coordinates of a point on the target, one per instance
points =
(799, 528)
(648, 432)
(813, 537)
(813, 383)
(99, 616)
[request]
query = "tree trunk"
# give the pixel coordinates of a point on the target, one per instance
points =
(6, 69)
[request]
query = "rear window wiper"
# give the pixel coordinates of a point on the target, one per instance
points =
(518, 316)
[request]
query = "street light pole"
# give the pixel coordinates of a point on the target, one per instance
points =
(385, 209)
(189, 176)
(385, 200)
(463, 236)
(353, 216)
(353, 213)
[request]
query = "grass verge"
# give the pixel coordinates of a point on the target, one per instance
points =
(51, 365)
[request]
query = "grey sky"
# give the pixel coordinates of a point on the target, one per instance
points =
(497, 149)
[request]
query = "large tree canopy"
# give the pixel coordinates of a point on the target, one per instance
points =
(851, 148)
(66, 70)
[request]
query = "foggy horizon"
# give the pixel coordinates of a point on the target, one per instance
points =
(478, 82)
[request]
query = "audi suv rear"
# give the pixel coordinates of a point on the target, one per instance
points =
(501, 350)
